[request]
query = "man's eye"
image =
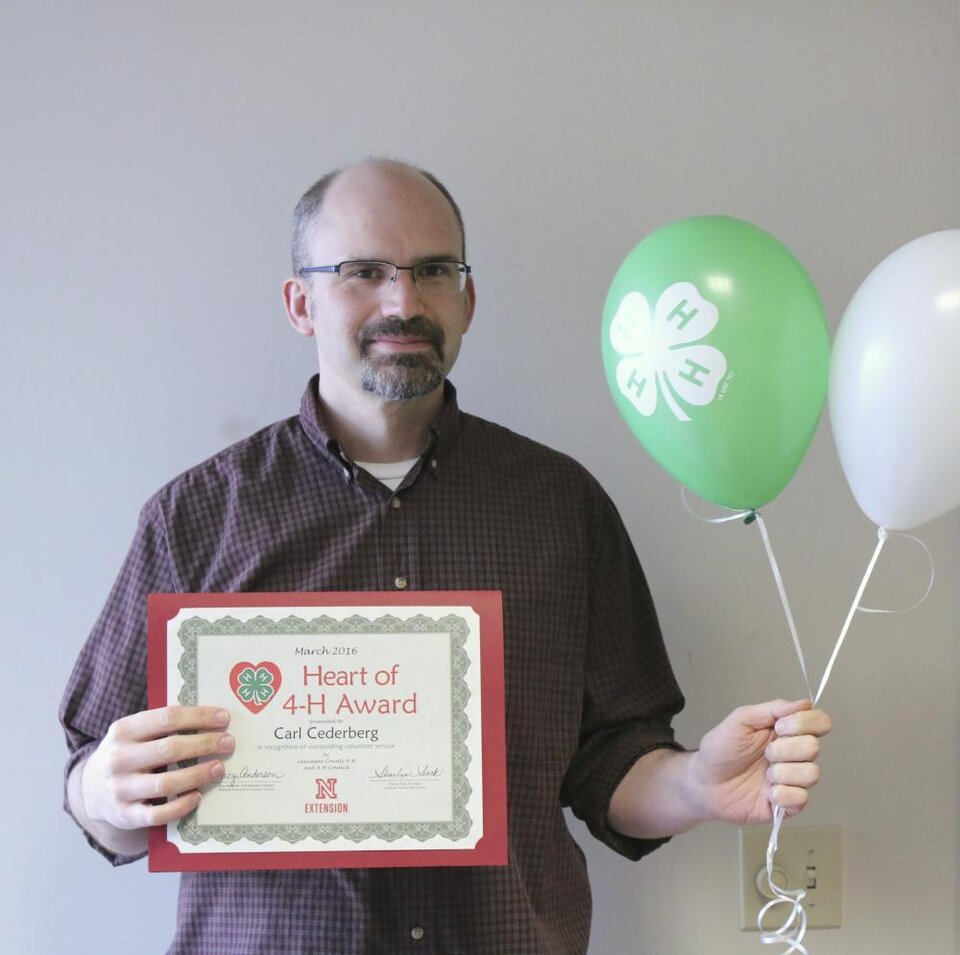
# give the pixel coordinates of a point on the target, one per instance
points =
(363, 272)
(436, 270)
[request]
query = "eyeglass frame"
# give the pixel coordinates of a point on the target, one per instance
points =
(462, 267)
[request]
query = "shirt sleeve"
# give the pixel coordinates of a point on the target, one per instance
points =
(109, 679)
(630, 693)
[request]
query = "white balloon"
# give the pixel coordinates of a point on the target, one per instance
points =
(895, 385)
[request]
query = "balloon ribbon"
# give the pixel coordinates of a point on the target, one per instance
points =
(792, 931)
(794, 927)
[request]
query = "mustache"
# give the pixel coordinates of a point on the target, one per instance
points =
(416, 327)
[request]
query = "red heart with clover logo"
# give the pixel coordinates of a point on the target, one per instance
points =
(255, 684)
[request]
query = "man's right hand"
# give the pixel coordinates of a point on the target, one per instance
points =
(118, 787)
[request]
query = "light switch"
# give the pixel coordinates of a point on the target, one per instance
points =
(807, 858)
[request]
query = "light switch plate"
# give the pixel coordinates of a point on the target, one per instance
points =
(807, 858)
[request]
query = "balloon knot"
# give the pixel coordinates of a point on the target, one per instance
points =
(882, 533)
(750, 518)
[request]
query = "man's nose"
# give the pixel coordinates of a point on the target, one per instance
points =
(401, 296)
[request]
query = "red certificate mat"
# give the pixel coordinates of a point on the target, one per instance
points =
(369, 728)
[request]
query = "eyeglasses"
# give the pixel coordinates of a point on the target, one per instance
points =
(439, 278)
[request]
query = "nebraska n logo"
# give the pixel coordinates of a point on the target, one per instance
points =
(327, 788)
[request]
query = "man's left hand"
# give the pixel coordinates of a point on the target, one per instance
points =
(760, 754)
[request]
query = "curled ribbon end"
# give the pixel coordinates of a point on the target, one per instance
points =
(794, 927)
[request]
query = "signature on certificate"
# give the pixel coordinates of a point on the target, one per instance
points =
(247, 772)
(420, 771)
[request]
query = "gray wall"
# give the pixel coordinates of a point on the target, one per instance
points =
(151, 155)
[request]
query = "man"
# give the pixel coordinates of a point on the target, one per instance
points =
(383, 483)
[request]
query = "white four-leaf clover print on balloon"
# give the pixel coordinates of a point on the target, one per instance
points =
(663, 355)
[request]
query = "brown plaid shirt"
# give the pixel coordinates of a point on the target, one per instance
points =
(588, 685)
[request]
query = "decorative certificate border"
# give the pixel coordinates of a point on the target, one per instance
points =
(189, 630)
(173, 650)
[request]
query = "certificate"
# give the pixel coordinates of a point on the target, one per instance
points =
(369, 728)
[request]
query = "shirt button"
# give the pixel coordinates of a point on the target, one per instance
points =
(434, 464)
(400, 583)
(416, 933)
(395, 503)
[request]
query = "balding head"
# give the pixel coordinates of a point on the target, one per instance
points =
(310, 206)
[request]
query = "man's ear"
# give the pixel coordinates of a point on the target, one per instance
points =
(297, 306)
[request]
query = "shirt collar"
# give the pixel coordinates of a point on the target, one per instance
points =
(443, 432)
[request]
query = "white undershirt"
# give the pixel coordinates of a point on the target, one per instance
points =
(391, 474)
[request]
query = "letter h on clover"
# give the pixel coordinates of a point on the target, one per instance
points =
(660, 354)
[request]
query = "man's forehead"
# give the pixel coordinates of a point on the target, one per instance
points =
(377, 172)
(371, 198)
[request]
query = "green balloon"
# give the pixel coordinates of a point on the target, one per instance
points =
(716, 350)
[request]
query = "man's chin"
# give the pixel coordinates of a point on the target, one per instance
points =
(402, 377)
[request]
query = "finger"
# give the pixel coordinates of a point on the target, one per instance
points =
(177, 749)
(144, 814)
(765, 715)
(791, 798)
(138, 787)
(803, 723)
(803, 775)
(793, 749)
(122, 759)
(166, 720)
